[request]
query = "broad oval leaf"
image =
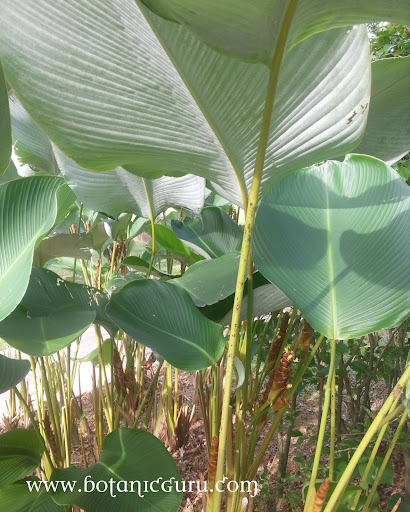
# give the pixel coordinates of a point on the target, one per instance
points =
(128, 455)
(212, 233)
(249, 29)
(44, 335)
(145, 94)
(166, 238)
(119, 191)
(53, 313)
(9, 174)
(12, 371)
(387, 135)
(142, 266)
(266, 298)
(164, 318)
(68, 245)
(335, 239)
(28, 211)
(17, 497)
(32, 148)
(5, 126)
(210, 281)
(20, 454)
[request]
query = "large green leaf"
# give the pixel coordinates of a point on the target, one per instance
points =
(210, 281)
(53, 313)
(144, 93)
(335, 239)
(17, 497)
(28, 209)
(69, 245)
(31, 146)
(128, 455)
(249, 29)
(212, 233)
(266, 298)
(9, 174)
(166, 238)
(20, 454)
(5, 126)
(164, 318)
(12, 371)
(142, 266)
(119, 191)
(387, 134)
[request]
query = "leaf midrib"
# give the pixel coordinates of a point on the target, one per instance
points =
(333, 308)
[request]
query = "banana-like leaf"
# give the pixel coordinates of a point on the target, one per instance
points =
(119, 191)
(31, 146)
(106, 352)
(335, 239)
(29, 208)
(20, 454)
(17, 497)
(387, 134)
(266, 298)
(127, 455)
(145, 310)
(12, 371)
(69, 245)
(144, 93)
(142, 266)
(5, 126)
(118, 281)
(52, 314)
(210, 281)
(248, 30)
(9, 174)
(212, 233)
(166, 238)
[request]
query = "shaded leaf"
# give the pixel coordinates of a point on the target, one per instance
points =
(20, 454)
(53, 313)
(143, 93)
(334, 238)
(127, 455)
(165, 238)
(249, 30)
(31, 146)
(17, 497)
(180, 334)
(12, 371)
(210, 281)
(118, 191)
(5, 126)
(387, 135)
(212, 233)
(29, 209)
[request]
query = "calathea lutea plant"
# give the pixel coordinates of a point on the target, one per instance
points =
(118, 110)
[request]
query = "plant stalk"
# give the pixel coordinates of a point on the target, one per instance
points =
(246, 243)
(347, 474)
(322, 429)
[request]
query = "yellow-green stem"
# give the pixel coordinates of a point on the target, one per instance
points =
(151, 387)
(36, 429)
(107, 407)
(384, 463)
(246, 243)
(151, 216)
(322, 429)
(264, 446)
(332, 426)
(374, 427)
(373, 455)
